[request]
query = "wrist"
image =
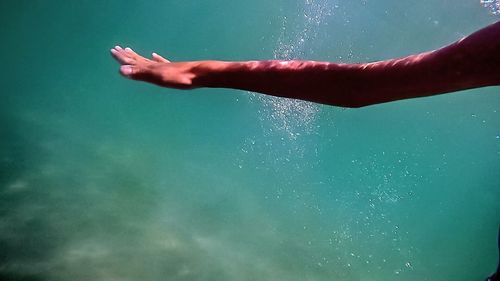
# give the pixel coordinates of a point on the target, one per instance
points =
(210, 74)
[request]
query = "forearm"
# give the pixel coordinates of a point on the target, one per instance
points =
(306, 80)
(469, 63)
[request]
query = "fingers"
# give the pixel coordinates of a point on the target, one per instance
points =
(122, 56)
(129, 56)
(131, 52)
(134, 66)
(159, 58)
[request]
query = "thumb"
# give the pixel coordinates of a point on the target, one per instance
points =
(128, 70)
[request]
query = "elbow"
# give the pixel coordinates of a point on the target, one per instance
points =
(355, 97)
(346, 104)
(351, 103)
(356, 104)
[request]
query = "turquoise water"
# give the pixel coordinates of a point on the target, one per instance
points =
(102, 178)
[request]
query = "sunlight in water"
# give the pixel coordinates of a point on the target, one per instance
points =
(294, 117)
(492, 5)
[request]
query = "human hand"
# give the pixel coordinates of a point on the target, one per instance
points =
(156, 70)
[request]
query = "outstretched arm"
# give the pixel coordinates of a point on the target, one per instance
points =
(471, 62)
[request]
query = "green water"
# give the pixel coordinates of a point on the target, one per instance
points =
(102, 178)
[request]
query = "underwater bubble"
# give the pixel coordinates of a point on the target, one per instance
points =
(492, 5)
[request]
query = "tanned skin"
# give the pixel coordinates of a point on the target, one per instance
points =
(472, 62)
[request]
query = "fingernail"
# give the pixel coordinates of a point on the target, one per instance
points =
(126, 69)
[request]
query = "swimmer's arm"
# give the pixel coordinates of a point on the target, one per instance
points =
(469, 63)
